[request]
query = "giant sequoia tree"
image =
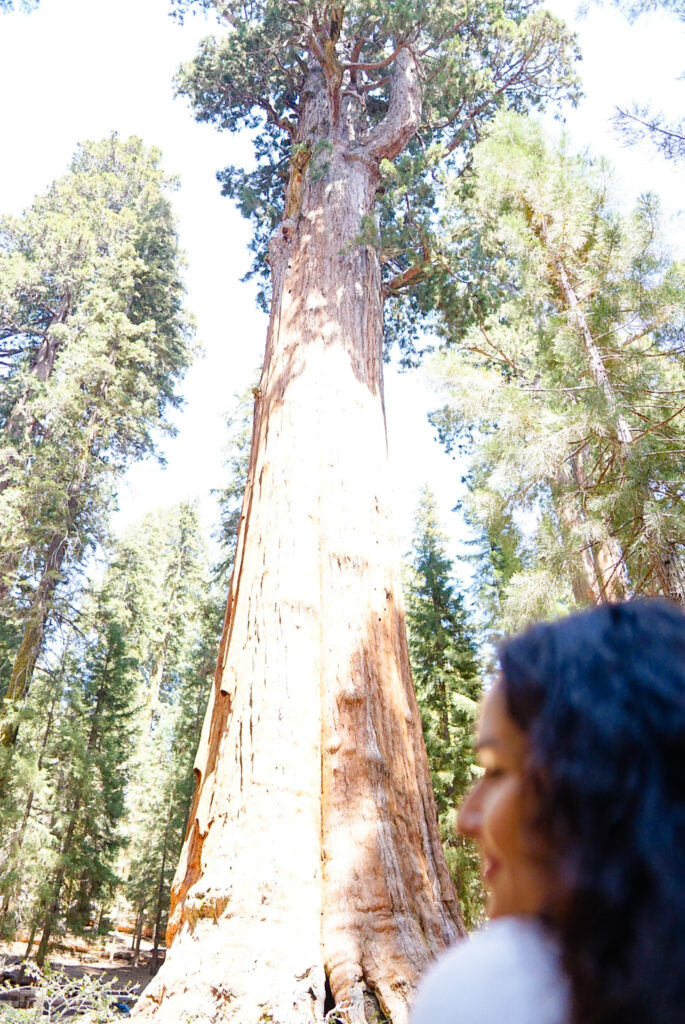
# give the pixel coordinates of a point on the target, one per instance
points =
(312, 875)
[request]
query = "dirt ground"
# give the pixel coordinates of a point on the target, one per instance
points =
(114, 960)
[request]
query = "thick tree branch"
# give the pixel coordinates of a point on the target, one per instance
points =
(387, 139)
(655, 426)
(281, 122)
(409, 276)
(378, 65)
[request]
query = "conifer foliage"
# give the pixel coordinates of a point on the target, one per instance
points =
(571, 396)
(472, 60)
(93, 337)
(230, 497)
(99, 669)
(103, 761)
(447, 675)
(21, 5)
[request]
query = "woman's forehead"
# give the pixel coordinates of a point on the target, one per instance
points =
(496, 729)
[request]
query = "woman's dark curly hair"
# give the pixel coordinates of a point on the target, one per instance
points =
(601, 697)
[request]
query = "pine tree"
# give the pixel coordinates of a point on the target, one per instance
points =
(162, 573)
(93, 339)
(89, 748)
(639, 123)
(25, 841)
(446, 670)
(572, 394)
(104, 761)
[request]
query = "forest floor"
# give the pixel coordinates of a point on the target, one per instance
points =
(114, 960)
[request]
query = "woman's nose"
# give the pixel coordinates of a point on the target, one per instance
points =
(469, 815)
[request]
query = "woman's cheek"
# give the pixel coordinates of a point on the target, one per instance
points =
(502, 817)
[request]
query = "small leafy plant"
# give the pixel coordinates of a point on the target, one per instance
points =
(59, 997)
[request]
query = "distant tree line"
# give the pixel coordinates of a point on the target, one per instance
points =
(93, 339)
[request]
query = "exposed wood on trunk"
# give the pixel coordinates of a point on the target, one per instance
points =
(313, 853)
(667, 562)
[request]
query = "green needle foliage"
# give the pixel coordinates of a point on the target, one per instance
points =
(473, 58)
(638, 123)
(103, 766)
(93, 339)
(447, 676)
(20, 5)
(63, 811)
(571, 397)
(163, 569)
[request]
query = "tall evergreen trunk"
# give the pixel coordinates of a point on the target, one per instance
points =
(22, 425)
(18, 841)
(599, 573)
(313, 862)
(609, 563)
(154, 961)
(56, 893)
(32, 637)
(669, 570)
(53, 908)
(138, 936)
(586, 585)
(38, 615)
(31, 940)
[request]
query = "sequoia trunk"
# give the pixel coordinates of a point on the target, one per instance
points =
(312, 872)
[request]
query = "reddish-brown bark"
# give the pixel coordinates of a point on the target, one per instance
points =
(313, 871)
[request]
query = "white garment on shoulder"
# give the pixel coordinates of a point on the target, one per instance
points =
(509, 973)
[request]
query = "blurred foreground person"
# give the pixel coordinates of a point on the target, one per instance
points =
(580, 820)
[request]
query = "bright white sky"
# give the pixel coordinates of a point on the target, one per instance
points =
(79, 69)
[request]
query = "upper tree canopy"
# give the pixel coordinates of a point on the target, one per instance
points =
(472, 58)
(22, 5)
(638, 122)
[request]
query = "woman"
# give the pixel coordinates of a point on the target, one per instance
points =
(580, 820)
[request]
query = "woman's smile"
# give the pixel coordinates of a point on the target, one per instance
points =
(497, 813)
